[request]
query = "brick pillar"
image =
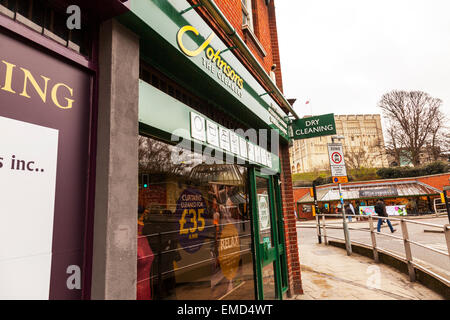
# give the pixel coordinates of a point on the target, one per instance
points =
(290, 230)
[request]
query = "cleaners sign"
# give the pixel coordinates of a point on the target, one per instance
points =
(311, 127)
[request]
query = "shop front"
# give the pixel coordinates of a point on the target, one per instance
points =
(407, 197)
(210, 214)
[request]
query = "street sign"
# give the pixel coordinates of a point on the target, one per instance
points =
(311, 127)
(337, 163)
(340, 179)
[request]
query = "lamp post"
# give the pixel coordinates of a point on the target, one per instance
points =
(348, 245)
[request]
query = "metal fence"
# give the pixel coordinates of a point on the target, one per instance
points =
(411, 261)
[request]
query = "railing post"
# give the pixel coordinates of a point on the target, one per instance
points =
(412, 274)
(447, 237)
(374, 240)
(325, 239)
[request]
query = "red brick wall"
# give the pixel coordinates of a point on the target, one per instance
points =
(298, 194)
(233, 11)
(290, 230)
(265, 29)
(274, 44)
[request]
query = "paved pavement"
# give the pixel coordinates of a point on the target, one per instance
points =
(329, 274)
(439, 263)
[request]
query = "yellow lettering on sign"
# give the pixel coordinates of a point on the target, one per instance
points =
(41, 89)
(212, 55)
(29, 78)
(55, 99)
(196, 52)
(8, 77)
(196, 218)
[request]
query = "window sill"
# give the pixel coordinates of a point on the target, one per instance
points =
(249, 31)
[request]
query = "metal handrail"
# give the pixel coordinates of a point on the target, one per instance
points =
(405, 238)
(426, 247)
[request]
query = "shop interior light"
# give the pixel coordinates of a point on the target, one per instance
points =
(225, 174)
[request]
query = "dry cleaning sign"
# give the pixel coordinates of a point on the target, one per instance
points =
(311, 127)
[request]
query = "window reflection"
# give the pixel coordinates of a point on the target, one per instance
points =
(194, 226)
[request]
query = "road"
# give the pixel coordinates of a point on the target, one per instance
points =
(307, 233)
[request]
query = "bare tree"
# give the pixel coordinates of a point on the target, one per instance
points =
(412, 117)
(156, 157)
(357, 158)
(392, 147)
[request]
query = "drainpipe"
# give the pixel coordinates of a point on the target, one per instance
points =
(212, 8)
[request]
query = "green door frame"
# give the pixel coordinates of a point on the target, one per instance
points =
(277, 253)
(281, 245)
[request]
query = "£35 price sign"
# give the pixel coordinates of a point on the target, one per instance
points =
(191, 211)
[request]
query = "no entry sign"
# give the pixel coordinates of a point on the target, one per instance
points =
(337, 162)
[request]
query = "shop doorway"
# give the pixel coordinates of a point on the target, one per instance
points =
(269, 237)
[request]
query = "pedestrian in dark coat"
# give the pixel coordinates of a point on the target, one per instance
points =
(380, 209)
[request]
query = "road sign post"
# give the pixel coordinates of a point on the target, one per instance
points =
(339, 175)
(316, 208)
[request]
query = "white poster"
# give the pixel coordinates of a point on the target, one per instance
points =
(28, 157)
(257, 154)
(263, 157)
(251, 151)
(234, 141)
(397, 210)
(198, 127)
(212, 133)
(264, 212)
(243, 147)
(269, 159)
(224, 138)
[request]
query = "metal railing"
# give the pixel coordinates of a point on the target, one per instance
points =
(405, 238)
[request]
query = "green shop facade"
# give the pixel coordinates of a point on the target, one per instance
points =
(214, 204)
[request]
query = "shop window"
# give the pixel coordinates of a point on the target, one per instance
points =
(194, 226)
(41, 17)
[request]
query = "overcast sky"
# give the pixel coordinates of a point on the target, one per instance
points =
(344, 55)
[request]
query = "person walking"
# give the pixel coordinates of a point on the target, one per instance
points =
(380, 209)
(353, 210)
(348, 212)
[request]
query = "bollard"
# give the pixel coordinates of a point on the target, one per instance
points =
(412, 274)
(325, 239)
(374, 240)
(319, 236)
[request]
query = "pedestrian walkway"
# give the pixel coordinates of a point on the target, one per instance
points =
(329, 274)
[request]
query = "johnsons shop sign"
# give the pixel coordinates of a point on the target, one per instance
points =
(224, 71)
(311, 127)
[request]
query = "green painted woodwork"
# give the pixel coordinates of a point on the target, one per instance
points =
(154, 122)
(276, 254)
(157, 22)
